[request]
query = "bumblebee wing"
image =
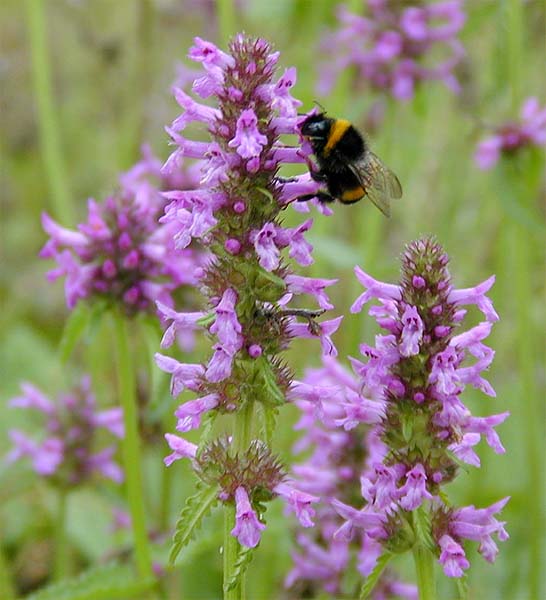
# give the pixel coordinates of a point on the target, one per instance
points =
(379, 182)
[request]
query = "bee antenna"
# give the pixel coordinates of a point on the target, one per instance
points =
(319, 105)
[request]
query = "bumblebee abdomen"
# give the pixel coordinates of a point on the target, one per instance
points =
(352, 195)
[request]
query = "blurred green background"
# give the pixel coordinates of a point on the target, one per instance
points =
(111, 65)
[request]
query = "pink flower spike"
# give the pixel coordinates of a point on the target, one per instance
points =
(414, 491)
(183, 375)
(452, 557)
(33, 398)
(226, 326)
(476, 295)
(189, 414)
(412, 331)
(248, 140)
(63, 236)
(181, 323)
(181, 449)
(299, 502)
(374, 289)
(247, 528)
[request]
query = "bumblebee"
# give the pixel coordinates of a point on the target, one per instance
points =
(347, 167)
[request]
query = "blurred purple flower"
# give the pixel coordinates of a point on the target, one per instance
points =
(393, 47)
(121, 252)
(336, 458)
(511, 137)
(66, 453)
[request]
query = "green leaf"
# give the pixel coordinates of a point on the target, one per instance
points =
(99, 583)
(195, 509)
(151, 335)
(372, 579)
(244, 558)
(74, 329)
(275, 395)
(206, 320)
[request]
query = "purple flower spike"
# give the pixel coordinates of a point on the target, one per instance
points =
(409, 388)
(329, 398)
(121, 252)
(247, 528)
(248, 282)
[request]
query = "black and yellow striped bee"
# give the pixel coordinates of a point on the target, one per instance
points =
(347, 167)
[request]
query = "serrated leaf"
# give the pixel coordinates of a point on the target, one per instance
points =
(195, 510)
(266, 193)
(275, 395)
(107, 582)
(244, 558)
(207, 424)
(269, 421)
(372, 579)
(462, 587)
(422, 527)
(74, 329)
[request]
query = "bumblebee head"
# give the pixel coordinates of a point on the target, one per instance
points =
(316, 127)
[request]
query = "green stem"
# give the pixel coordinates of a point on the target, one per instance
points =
(527, 353)
(514, 32)
(138, 83)
(60, 568)
(6, 583)
(231, 546)
(50, 145)
(241, 440)
(165, 500)
(424, 566)
(225, 10)
(243, 427)
(132, 458)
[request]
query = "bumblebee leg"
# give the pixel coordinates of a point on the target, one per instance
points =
(320, 196)
(318, 176)
(280, 179)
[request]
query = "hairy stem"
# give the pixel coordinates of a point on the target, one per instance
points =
(424, 566)
(132, 458)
